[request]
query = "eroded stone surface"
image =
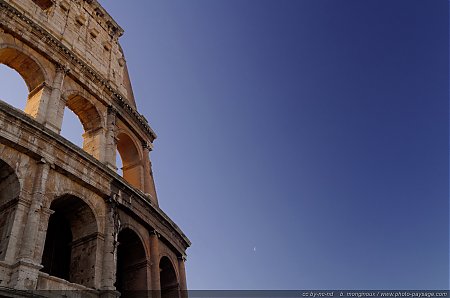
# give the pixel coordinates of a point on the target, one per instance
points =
(68, 221)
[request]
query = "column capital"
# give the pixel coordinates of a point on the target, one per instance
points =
(147, 145)
(182, 258)
(112, 110)
(62, 68)
(112, 200)
(156, 233)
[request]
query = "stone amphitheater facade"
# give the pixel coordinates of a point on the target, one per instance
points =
(68, 220)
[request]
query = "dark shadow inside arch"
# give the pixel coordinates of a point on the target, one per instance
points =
(57, 250)
(131, 274)
(71, 241)
(169, 282)
(9, 194)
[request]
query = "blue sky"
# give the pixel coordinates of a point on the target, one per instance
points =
(302, 144)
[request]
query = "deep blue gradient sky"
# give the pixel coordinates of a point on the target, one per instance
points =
(302, 144)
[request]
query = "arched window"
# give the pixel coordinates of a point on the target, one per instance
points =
(119, 163)
(70, 250)
(131, 161)
(169, 282)
(131, 264)
(71, 128)
(13, 89)
(9, 192)
(89, 135)
(33, 76)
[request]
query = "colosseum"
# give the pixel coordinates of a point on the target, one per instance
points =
(69, 223)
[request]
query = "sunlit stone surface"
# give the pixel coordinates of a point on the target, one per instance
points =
(68, 221)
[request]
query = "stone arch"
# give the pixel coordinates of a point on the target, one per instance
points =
(133, 226)
(71, 243)
(131, 263)
(168, 278)
(91, 120)
(85, 109)
(34, 75)
(26, 65)
(81, 195)
(131, 156)
(9, 193)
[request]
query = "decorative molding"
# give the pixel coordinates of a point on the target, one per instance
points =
(155, 232)
(89, 73)
(62, 68)
(111, 110)
(155, 217)
(147, 145)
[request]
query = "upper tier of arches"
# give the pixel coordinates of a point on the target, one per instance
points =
(106, 130)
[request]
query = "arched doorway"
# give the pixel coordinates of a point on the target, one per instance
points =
(131, 276)
(168, 277)
(9, 193)
(71, 241)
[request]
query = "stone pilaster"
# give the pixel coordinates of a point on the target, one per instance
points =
(110, 139)
(25, 270)
(42, 233)
(55, 107)
(182, 276)
(110, 249)
(15, 238)
(149, 183)
(34, 214)
(154, 260)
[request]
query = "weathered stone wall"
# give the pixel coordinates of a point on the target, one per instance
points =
(68, 221)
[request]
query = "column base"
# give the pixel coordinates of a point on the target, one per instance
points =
(24, 275)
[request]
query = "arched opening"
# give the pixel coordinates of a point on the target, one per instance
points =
(169, 282)
(71, 241)
(119, 163)
(131, 264)
(9, 193)
(57, 250)
(13, 89)
(33, 76)
(80, 110)
(71, 128)
(131, 162)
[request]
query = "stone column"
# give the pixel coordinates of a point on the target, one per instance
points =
(182, 273)
(154, 260)
(16, 231)
(110, 139)
(110, 251)
(54, 109)
(42, 233)
(34, 214)
(26, 269)
(149, 183)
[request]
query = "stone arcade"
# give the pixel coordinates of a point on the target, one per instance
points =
(68, 221)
